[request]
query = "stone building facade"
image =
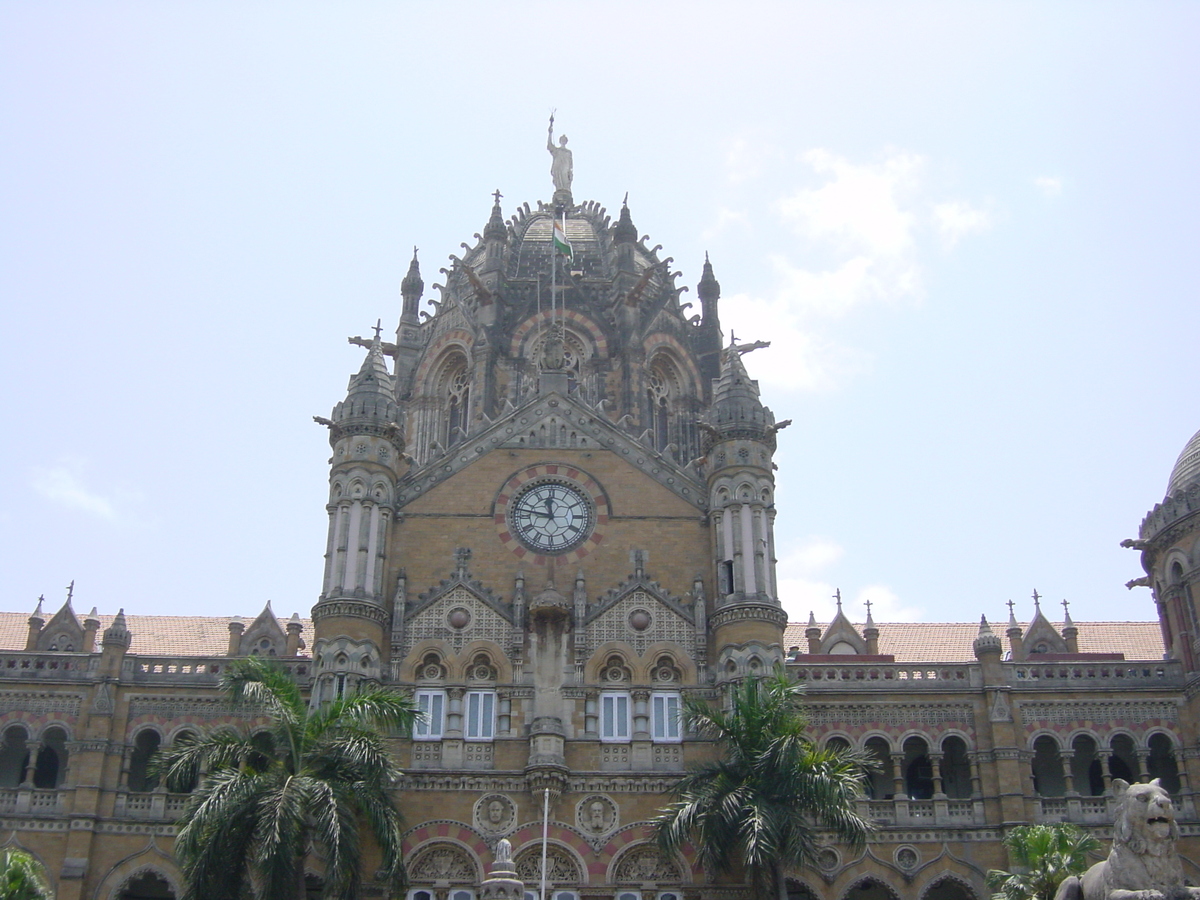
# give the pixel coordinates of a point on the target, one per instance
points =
(551, 517)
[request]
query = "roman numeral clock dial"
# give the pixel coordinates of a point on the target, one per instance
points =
(551, 517)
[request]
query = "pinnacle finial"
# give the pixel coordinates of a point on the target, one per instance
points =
(378, 329)
(984, 627)
(837, 595)
(1066, 613)
(870, 623)
(1037, 605)
(812, 619)
(70, 591)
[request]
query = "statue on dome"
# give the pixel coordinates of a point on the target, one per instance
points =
(561, 167)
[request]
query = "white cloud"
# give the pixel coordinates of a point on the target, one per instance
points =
(63, 484)
(799, 359)
(726, 218)
(746, 159)
(956, 219)
(1049, 185)
(859, 206)
(804, 587)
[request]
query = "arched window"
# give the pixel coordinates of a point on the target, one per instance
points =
(662, 388)
(1123, 763)
(1085, 766)
(918, 770)
(1161, 763)
(14, 756)
(454, 389)
(147, 886)
(51, 766)
(145, 745)
(1047, 768)
(879, 779)
(956, 768)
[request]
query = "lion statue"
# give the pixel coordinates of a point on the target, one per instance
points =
(1143, 864)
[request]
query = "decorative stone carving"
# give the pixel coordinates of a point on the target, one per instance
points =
(1143, 863)
(906, 858)
(645, 865)
(444, 862)
(561, 868)
(495, 813)
(596, 815)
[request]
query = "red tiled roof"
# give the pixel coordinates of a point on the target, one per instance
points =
(937, 642)
(153, 635)
(909, 642)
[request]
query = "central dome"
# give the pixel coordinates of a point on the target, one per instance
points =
(1187, 468)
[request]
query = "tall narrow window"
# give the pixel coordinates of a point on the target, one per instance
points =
(458, 409)
(664, 714)
(481, 716)
(432, 706)
(614, 717)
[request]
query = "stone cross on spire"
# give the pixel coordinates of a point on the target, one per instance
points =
(1066, 610)
(1010, 606)
(867, 603)
(70, 591)
(1037, 599)
(837, 595)
(378, 328)
(496, 194)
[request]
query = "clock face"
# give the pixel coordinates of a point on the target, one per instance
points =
(551, 517)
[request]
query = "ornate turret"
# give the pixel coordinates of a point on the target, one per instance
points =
(709, 291)
(1167, 536)
(36, 622)
(411, 289)
(350, 618)
(741, 492)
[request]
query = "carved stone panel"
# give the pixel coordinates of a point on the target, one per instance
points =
(495, 814)
(596, 815)
(444, 862)
(561, 868)
(645, 865)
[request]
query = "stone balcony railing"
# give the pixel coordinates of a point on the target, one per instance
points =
(1121, 673)
(1096, 810)
(150, 805)
(31, 801)
(882, 677)
(923, 813)
(196, 669)
(19, 665)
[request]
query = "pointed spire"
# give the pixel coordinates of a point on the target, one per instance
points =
(117, 634)
(1066, 614)
(986, 641)
(812, 619)
(736, 404)
(411, 288)
(37, 612)
(495, 229)
(1012, 616)
(709, 289)
(870, 623)
(624, 231)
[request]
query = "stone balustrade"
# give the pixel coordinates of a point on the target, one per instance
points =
(882, 676)
(31, 801)
(196, 670)
(1056, 675)
(154, 805)
(36, 666)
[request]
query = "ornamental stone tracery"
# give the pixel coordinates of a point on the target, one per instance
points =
(561, 868)
(444, 862)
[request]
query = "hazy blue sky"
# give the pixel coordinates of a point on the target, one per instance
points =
(969, 229)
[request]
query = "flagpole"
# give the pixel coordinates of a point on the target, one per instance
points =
(545, 836)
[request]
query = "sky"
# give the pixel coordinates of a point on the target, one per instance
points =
(968, 229)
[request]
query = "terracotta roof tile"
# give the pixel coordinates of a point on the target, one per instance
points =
(154, 635)
(909, 642)
(936, 642)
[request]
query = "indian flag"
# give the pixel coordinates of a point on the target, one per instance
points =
(561, 244)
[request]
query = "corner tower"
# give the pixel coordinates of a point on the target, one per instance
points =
(1169, 539)
(748, 619)
(351, 617)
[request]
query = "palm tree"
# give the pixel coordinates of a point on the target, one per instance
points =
(22, 877)
(309, 782)
(761, 803)
(1043, 855)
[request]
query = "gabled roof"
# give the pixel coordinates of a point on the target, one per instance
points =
(152, 635)
(948, 642)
